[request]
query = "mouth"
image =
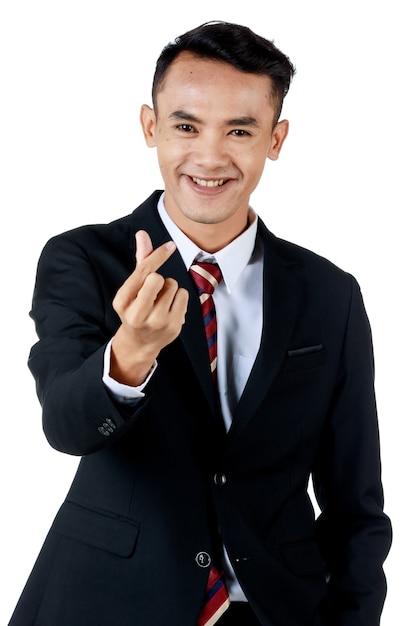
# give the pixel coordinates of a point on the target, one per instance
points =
(213, 182)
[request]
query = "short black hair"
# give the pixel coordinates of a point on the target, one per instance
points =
(234, 44)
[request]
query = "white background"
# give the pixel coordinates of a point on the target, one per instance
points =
(73, 77)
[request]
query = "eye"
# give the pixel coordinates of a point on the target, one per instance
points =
(186, 128)
(239, 132)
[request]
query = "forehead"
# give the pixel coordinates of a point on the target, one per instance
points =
(196, 81)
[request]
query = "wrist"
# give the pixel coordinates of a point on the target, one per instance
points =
(130, 366)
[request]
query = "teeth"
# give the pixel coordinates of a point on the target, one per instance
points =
(208, 183)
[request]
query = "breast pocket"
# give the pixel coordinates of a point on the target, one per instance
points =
(305, 357)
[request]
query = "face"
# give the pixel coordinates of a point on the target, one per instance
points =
(213, 130)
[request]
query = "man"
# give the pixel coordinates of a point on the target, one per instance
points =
(200, 416)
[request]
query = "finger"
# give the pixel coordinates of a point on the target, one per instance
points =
(138, 309)
(159, 297)
(178, 310)
(158, 304)
(180, 303)
(153, 259)
(167, 294)
(168, 314)
(143, 245)
(152, 289)
(148, 262)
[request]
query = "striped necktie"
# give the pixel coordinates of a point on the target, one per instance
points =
(206, 277)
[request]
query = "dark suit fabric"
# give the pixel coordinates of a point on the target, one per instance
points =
(122, 549)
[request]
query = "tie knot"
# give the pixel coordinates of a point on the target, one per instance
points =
(206, 276)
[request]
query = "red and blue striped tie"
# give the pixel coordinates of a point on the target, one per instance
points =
(206, 277)
(216, 600)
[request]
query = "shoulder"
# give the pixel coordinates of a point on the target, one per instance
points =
(292, 254)
(308, 267)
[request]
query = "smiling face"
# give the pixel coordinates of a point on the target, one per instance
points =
(213, 130)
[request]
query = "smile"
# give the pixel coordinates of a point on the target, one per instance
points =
(208, 183)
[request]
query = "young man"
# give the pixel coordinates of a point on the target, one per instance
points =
(201, 415)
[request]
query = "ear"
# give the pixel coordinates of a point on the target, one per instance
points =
(148, 122)
(279, 135)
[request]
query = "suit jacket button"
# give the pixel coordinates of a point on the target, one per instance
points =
(107, 427)
(219, 479)
(203, 559)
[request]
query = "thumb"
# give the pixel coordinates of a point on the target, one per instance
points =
(143, 245)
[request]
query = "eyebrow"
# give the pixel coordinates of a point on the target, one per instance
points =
(184, 115)
(245, 120)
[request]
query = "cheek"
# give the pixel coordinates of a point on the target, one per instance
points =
(169, 153)
(254, 166)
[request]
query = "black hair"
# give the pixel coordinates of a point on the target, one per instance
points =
(234, 44)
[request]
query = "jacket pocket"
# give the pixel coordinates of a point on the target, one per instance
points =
(304, 358)
(105, 531)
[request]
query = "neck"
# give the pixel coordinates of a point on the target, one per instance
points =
(209, 239)
(216, 236)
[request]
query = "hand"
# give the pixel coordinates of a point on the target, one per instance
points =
(152, 311)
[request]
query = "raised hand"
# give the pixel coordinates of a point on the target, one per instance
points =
(152, 312)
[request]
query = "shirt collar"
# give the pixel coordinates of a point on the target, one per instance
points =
(232, 259)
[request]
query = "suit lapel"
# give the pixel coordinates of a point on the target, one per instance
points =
(280, 307)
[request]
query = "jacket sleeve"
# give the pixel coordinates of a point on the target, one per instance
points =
(354, 534)
(74, 321)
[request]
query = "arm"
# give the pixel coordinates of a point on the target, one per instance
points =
(75, 320)
(353, 532)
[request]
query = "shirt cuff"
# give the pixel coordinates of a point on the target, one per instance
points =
(123, 393)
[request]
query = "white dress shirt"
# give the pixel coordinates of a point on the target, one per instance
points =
(238, 301)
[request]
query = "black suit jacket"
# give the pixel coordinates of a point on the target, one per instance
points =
(130, 544)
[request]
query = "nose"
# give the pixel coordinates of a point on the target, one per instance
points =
(211, 152)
